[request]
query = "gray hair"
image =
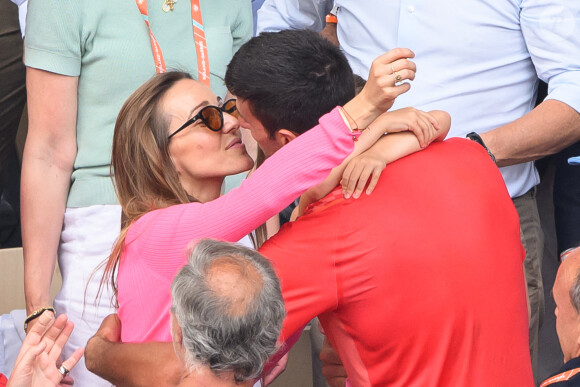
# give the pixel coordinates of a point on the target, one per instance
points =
(228, 332)
(575, 292)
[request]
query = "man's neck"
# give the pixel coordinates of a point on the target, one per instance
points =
(204, 377)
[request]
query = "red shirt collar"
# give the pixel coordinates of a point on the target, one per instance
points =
(333, 198)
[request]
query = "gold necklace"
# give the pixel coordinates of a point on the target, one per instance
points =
(168, 5)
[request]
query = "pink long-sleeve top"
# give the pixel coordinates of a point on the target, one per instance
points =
(156, 244)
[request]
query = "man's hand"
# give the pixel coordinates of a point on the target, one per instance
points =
(108, 334)
(110, 328)
(129, 364)
(277, 370)
(332, 367)
(386, 71)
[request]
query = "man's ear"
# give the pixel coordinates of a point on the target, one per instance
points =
(577, 351)
(284, 136)
(179, 335)
(176, 333)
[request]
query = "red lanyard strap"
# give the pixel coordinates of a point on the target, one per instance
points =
(200, 43)
(198, 38)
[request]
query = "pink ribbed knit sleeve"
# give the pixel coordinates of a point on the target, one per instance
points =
(156, 244)
(283, 177)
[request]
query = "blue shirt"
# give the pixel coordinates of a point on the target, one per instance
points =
(256, 4)
(479, 60)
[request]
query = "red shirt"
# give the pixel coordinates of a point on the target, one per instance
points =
(420, 283)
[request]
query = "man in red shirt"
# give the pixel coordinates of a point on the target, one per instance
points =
(406, 281)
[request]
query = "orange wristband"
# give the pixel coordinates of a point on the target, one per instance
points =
(330, 18)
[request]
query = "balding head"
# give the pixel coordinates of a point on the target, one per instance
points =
(567, 297)
(228, 305)
(235, 281)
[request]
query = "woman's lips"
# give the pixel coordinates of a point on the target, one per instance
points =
(235, 143)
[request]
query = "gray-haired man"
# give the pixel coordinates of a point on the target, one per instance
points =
(566, 293)
(227, 314)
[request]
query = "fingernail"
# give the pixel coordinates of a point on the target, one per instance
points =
(347, 195)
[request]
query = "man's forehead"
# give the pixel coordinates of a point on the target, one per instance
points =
(244, 109)
(568, 270)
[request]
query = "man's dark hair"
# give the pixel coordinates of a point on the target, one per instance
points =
(290, 79)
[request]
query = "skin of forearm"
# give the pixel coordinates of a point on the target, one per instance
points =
(367, 139)
(134, 365)
(398, 145)
(547, 129)
(361, 112)
(333, 179)
(47, 165)
(391, 148)
(329, 33)
(395, 146)
(43, 197)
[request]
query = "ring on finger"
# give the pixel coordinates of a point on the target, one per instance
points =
(63, 371)
(393, 68)
(398, 77)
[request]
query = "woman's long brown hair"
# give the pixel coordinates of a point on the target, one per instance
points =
(260, 235)
(144, 175)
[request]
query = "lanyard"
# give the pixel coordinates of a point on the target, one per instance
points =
(560, 377)
(198, 38)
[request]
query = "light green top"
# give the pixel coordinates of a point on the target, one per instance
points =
(106, 44)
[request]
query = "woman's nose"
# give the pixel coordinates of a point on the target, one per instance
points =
(230, 123)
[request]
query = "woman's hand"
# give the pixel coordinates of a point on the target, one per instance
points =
(37, 363)
(386, 72)
(415, 125)
(370, 164)
(382, 87)
(422, 124)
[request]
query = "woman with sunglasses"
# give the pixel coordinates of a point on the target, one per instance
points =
(174, 143)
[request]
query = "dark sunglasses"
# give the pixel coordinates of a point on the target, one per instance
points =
(212, 116)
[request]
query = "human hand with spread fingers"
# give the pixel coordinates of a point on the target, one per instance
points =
(38, 363)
